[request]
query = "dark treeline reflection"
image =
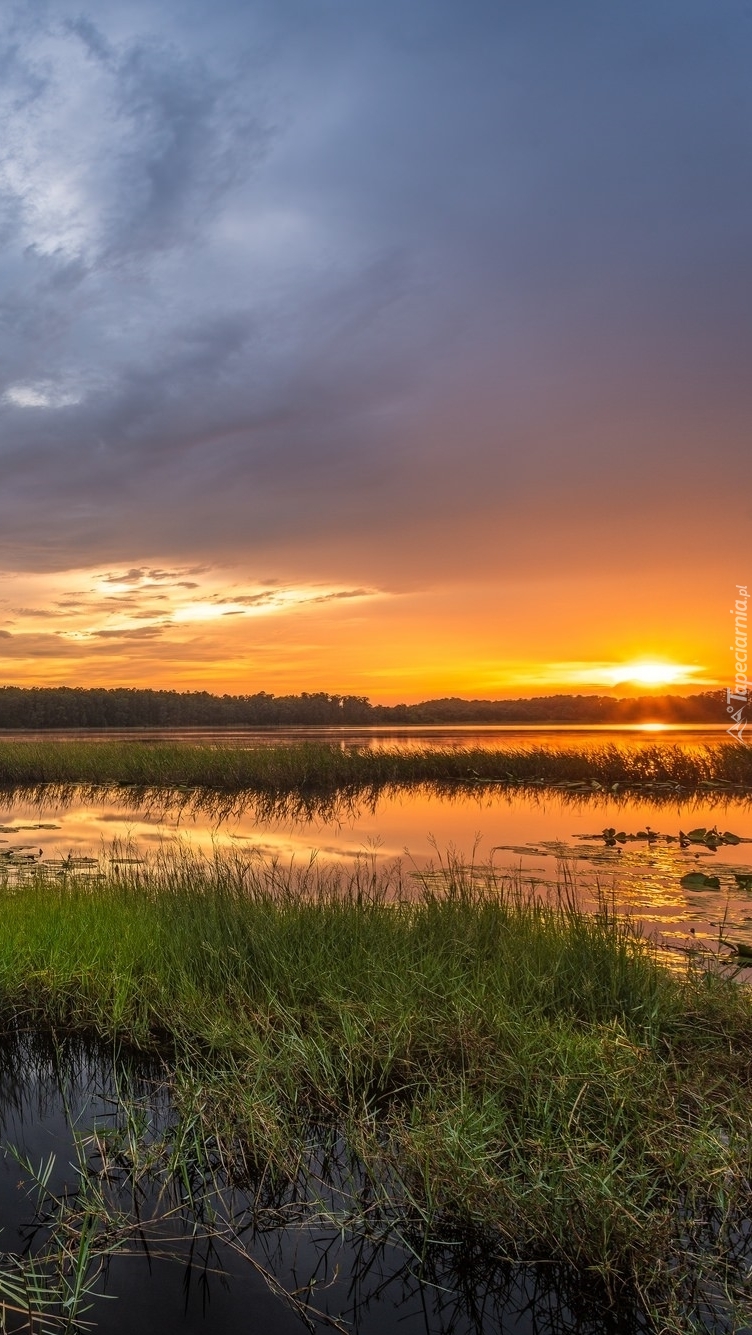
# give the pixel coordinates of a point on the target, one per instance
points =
(211, 807)
(124, 1189)
(95, 707)
(340, 808)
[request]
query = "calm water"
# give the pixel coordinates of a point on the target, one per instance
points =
(175, 1269)
(497, 736)
(538, 834)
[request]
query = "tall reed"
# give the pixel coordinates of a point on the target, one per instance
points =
(318, 767)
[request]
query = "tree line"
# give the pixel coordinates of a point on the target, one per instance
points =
(122, 707)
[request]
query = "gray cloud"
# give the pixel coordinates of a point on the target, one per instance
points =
(278, 276)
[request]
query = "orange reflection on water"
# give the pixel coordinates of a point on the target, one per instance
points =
(535, 834)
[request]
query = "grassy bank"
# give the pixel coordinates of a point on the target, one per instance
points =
(324, 768)
(496, 1062)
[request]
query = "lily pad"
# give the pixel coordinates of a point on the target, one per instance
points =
(697, 880)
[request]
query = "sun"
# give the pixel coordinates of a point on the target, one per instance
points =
(651, 672)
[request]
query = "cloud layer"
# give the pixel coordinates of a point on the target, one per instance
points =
(375, 295)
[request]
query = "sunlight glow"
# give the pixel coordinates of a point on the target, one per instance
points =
(652, 673)
(597, 675)
(215, 627)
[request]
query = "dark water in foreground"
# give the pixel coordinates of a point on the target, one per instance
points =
(188, 1253)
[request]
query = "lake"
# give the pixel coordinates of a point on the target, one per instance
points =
(495, 736)
(541, 835)
(221, 1252)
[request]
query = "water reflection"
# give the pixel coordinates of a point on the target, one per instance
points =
(184, 1243)
(527, 831)
(407, 737)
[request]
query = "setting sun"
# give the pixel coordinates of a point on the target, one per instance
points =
(651, 673)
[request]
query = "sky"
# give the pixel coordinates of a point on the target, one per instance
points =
(399, 349)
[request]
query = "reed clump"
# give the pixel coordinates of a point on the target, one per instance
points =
(327, 768)
(499, 1062)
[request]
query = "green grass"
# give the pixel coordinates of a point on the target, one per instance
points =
(325, 768)
(498, 1063)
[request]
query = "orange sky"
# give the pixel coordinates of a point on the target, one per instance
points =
(196, 628)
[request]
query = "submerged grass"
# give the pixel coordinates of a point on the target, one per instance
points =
(321, 767)
(499, 1063)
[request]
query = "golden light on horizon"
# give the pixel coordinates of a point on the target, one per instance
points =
(652, 672)
(218, 628)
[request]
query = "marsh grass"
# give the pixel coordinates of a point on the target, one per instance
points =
(318, 768)
(498, 1063)
(149, 1182)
